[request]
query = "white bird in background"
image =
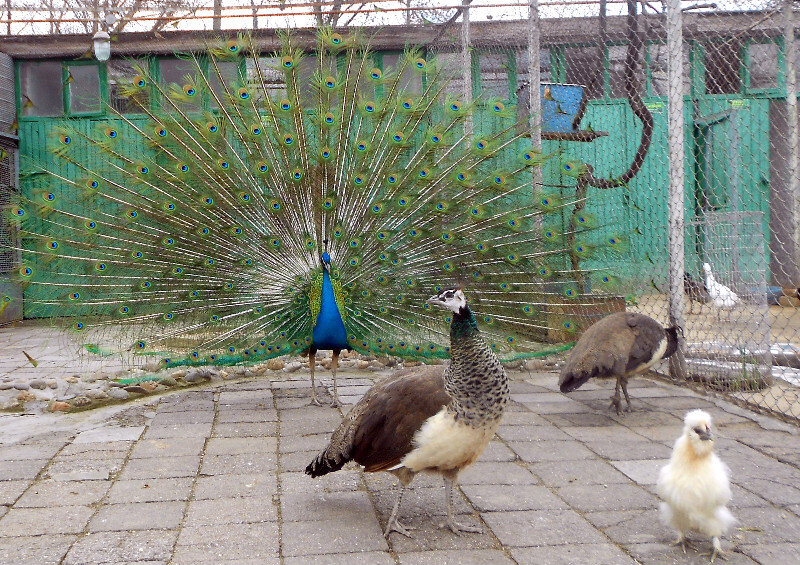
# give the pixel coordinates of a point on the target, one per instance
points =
(694, 485)
(722, 296)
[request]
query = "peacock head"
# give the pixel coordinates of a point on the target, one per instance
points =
(450, 298)
(697, 428)
(326, 261)
(707, 268)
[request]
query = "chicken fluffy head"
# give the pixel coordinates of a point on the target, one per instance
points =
(697, 429)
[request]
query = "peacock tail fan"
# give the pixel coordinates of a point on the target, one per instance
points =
(192, 231)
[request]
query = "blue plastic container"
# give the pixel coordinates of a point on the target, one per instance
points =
(560, 103)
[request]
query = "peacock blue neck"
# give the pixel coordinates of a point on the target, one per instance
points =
(329, 331)
(463, 324)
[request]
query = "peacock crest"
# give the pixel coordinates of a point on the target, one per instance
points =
(207, 225)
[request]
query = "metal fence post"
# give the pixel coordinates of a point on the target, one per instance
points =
(792, 122)
(466, 60)
(534, 84)
(677, 363)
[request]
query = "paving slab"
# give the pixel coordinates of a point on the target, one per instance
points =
(138, 516)
(12, 490)
(541, 527)
(247, 542)
(496, 498)
(315, 538)
(122, 547)
(235, 486)
(589, 498)
(108, 434)
(661, 554)
(149, 490)
(364, 558)
(429, 534)
(218, 511)
(47, 549)
(572, 554)
(454, 557)
(161, 467)
(44, 521)
(50, 493)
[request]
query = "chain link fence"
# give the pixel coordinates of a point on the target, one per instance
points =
(714, 218)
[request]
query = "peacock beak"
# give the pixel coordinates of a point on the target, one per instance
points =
(705, 435)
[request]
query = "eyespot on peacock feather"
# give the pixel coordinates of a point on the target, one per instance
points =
(272, 203)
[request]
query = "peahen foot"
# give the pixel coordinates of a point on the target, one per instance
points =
(616, 404)
(395, 526)
(335, 403)
(315, 401)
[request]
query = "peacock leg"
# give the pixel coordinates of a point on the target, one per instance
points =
(335, 365)
(615, 400)
(455, 527)
(393, 525)
(625, 392)
(312, 361)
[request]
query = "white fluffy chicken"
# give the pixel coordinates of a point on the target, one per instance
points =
(722, 296)
(694, 485)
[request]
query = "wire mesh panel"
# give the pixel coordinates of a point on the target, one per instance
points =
(595, 77)
(728, 330)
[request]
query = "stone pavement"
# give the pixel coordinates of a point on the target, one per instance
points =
(214, 475)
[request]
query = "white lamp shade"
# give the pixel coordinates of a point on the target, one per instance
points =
(101, 45)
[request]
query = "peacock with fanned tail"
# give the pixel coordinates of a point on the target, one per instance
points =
(233, 220)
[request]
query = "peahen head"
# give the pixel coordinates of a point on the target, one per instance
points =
(450, 298)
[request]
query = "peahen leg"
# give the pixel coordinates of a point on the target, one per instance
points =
(615, 400)
(335, 365)
(312, 361)
(455, 527)
(625, 392)
(393, 525)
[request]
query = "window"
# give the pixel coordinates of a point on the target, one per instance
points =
(180, 72)
(657, 69)
(523, 92)
(583, 66)
(83, 83)
(763, 65)
(451, 65)
(41, 88)
(221, 78)
(411, 80)
(120, 70)
(270, 74)
(545, 66)
(722, 67)
(494, 75)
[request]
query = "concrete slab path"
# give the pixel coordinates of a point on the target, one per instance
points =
(213, 474)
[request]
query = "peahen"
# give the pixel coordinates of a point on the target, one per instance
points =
(305, 200)
(426, 420)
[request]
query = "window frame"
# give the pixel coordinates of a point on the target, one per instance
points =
(102, 77)
(780, 80)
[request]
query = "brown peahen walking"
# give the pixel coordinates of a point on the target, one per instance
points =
(305, 200)
(426, 419)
